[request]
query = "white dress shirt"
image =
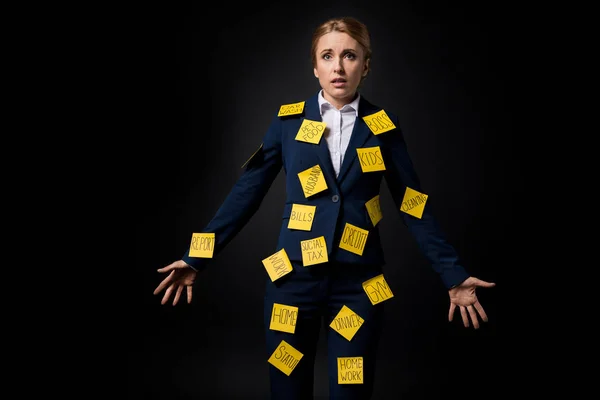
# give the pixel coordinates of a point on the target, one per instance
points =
(339, 125)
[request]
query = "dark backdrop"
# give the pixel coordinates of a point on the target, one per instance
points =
(212, 81)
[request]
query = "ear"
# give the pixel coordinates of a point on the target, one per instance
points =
(366, 68)
(316, 73)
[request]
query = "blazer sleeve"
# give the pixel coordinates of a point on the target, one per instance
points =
(246, 195)
(400, 174)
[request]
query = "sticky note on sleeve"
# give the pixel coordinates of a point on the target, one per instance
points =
(202, 245)
(413, 202)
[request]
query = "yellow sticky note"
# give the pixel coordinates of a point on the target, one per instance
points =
(302, 217)
(374, 210)
(371, 159)
(203, 245)
(283, 318)
(379, 122)
(285, 357)
(252, 156)
(314, 251)
(346, 323)
(354, 239)
(291, 109)
(377, 289)
(312, 180)
(278, 265)
(413, 202)
(350, 370)
(310, 131)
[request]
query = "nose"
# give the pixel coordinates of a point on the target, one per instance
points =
(339, 68)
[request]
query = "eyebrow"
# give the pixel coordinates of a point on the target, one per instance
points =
(343, 51)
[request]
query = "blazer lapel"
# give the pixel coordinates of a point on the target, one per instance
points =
(312, 113)
(360, 134)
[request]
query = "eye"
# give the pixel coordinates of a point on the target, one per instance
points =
(326, 56)
(351, 56)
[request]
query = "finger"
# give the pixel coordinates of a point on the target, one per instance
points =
(189, 294)
(165, 282)
(451, 311)
(480, 283)
(167, 294)
(473, 315)
(481, 312)
(170, 267)
(465, 319)
(177, 294)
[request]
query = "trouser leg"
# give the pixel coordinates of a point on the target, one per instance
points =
(351, 363)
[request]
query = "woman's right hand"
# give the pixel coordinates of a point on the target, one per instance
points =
(180, 275)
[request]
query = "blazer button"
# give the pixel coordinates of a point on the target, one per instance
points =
(335, 198)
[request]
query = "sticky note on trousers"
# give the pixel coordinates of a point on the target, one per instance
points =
(377, 289)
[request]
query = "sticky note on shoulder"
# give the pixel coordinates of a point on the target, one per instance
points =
(278, 265)
(202, 245)
(285, 357)
(291, 109)
(413, 202)
(377, 289)
(379, 122)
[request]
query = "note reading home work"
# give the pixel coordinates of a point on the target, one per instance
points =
(350, 370)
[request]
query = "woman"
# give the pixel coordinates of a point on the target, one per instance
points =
(335, 149)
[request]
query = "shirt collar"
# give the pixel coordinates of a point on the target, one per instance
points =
(324, 104)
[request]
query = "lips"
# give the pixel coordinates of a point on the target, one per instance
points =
(338, 83)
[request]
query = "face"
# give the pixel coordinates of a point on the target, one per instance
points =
(340, 67)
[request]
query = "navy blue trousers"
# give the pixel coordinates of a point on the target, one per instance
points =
(320, 291)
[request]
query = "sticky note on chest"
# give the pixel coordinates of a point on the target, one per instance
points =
(354, 239)
(202, 245)
(377, 289)
(312, 180)
(374, 210)
(314, 251)
(413, 202)
(283, 318)
(278, 265)
(350, 370)
(370, 159)
(379, 122)
(310, 131)
(285, 357)
(291, 109)
(302, 217)
(346, 323)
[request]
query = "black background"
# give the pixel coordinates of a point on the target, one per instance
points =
(212, 81)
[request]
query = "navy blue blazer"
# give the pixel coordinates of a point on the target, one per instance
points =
(342, 202)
